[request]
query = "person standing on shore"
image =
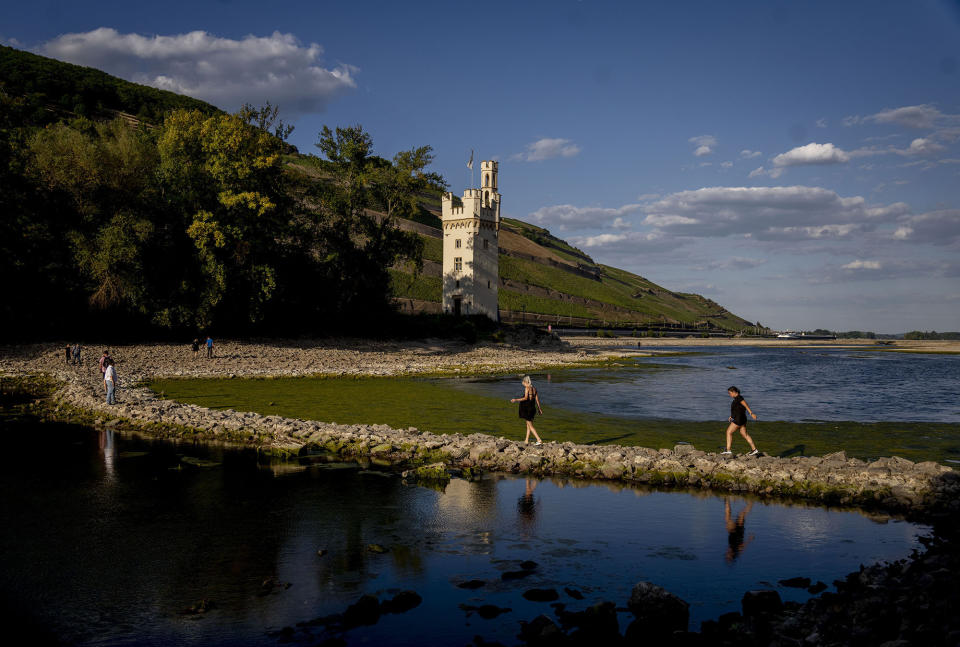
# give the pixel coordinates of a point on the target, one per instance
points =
(195, 347)
(103, 361)
(110, 381)
(738, 420)
(529, 406)
(76, 355)
(67, 352)
(209, 347)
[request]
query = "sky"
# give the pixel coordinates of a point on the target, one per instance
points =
(797, 162)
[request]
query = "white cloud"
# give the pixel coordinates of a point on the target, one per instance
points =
(746, 153)
(812, 153)
(704, 144)
(223, 71)
(785, 212)
(627, 244)
(547, 148)
(734, 263)
(821, 123)
(569, 217)
(761, 171)
(919, 146)
(921, 116)
(935, 227)
(644, 197)
(862, 265)
(620, 223)
(726, 164)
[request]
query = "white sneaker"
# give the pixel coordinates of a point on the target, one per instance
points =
(726, 453)
(754, 452)
(538, 443)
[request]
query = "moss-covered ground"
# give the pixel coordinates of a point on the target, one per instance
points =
(434, 406)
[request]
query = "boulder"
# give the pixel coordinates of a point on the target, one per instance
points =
(541, 631)
(658, 612)
(760, 603)
(595, 625)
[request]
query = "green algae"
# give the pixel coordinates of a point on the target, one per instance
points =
(436, 406)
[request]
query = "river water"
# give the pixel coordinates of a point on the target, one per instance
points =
(783, 384)
(106, 539)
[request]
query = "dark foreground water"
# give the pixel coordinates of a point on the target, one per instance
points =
(106, 539)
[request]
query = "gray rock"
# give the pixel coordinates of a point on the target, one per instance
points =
(657, 610)
(759, 603)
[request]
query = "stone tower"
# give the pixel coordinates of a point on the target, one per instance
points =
(470, 247)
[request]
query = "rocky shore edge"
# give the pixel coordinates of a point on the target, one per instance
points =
(892, 484)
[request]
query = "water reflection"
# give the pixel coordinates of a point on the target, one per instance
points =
(274, 547)
(527, 508)
(109, 453)
(735, 530)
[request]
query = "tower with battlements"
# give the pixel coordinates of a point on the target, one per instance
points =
(471, 226)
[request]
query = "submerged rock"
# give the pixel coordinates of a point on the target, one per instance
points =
(365, 611)
(541, 595)
(401, 602)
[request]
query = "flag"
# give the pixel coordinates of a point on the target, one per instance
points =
(470, 163)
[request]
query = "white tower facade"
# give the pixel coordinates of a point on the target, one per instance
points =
(471, 249)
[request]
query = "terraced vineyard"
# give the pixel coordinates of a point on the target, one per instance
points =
(547, 280)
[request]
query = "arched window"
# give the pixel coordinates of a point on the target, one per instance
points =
(486, 199)
(486, 179)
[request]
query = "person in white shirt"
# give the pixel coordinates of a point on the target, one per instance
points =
(110, 381)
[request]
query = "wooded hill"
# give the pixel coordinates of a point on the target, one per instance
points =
(53, 90)
(107, 233)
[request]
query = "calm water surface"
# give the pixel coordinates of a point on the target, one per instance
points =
(788, 384)
(106, 539)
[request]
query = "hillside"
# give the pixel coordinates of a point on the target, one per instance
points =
(545, 279)
(53, 90)
(542, 278)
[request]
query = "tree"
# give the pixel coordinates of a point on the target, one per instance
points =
(232, 176)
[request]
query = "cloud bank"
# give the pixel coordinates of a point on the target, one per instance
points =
(223, 71)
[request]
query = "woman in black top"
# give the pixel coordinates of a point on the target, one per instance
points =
(738, 420)
(529, 406)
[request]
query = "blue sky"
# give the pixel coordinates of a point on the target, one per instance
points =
(798, 162)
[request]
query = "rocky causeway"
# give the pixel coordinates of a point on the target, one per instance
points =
(891, 483)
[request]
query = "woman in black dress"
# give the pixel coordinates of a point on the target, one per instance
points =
(738, 420)
(529, 406)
